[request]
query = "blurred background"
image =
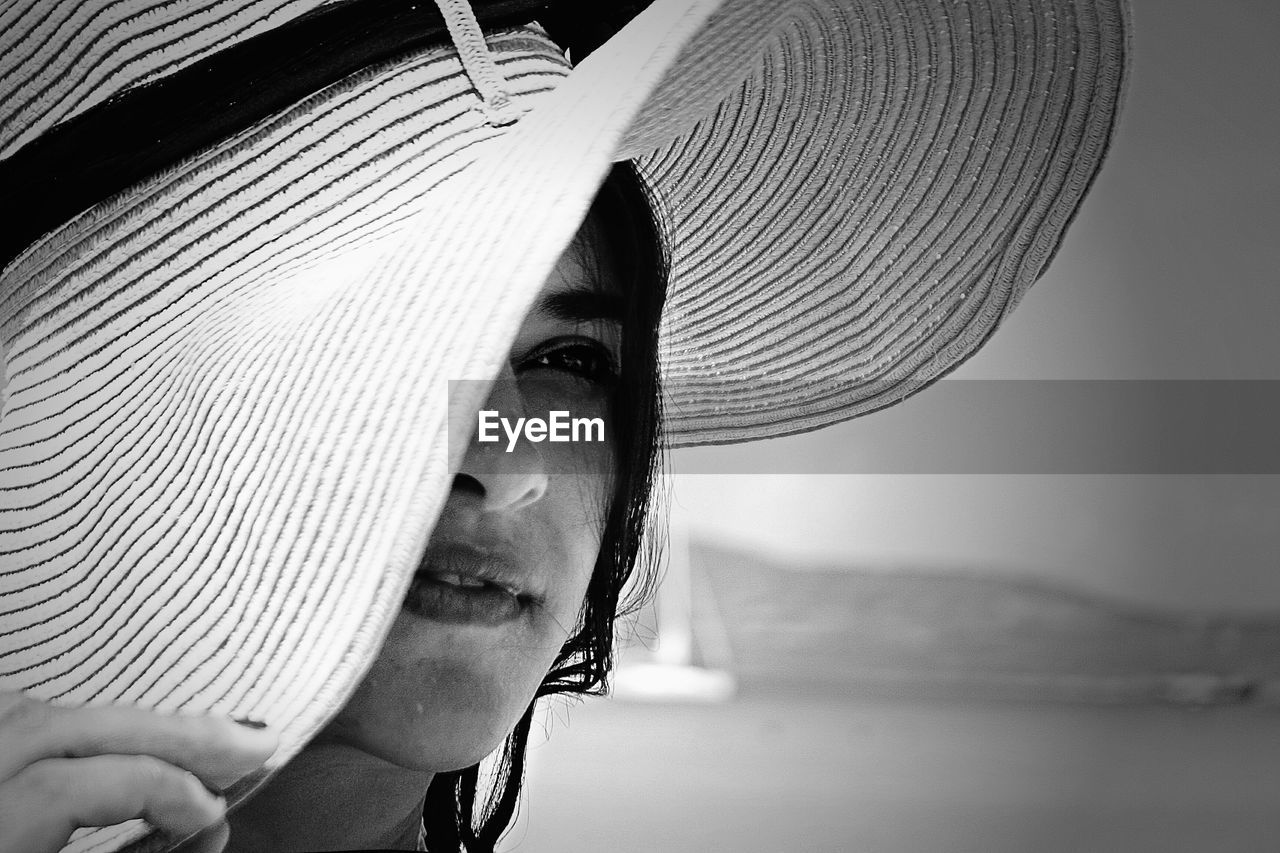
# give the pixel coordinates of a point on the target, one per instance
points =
(936, 659)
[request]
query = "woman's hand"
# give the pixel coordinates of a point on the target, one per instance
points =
(64, 768)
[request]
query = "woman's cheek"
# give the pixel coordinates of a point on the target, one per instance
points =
(581, 551)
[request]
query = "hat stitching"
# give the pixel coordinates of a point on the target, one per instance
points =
(468, 39)
(102, 65)
(293, 209)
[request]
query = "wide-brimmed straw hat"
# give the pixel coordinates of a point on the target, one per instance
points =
(253, 240)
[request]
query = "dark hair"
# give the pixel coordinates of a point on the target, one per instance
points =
(623, 215)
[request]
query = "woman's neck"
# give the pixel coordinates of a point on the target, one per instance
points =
(332, 797)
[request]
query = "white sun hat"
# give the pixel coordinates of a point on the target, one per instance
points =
(226, 361)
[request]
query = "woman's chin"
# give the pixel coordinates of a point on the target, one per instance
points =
(441, 697)
(447, 745)
(435, 729)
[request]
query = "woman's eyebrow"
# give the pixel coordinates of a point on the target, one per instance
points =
(582, 305)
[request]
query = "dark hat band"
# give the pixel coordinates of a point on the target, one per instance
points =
(113, 145)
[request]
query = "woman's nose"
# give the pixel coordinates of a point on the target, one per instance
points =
(507, 474)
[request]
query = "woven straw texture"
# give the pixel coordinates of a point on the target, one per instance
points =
(873, 201)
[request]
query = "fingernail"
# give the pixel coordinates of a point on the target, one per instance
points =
(249, 724)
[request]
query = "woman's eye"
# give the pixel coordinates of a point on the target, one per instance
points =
(584, 359)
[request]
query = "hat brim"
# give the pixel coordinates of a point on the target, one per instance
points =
(861, 213)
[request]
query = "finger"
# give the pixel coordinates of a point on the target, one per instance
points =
(215, 749)
(47, 801)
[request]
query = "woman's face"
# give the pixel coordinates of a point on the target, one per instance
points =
(503, 581)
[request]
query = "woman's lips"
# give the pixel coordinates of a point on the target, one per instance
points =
(462, 585)
(447, 602)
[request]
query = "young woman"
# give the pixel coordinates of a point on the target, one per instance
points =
(515, 599)
(519, 588)
(260, 239)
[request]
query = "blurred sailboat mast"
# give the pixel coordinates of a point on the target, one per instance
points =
(682, 637)
(675, 602)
